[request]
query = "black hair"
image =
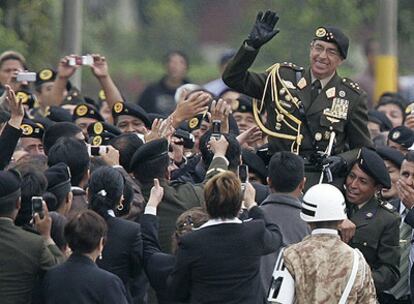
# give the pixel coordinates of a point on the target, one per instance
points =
(409, 156)
(232, 154)
(127, 144)
(171, 53)
(106, 187)
(74, 154)
(286, 171)
(57, 131)
(34, 183)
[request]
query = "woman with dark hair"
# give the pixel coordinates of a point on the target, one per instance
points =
(78, 280)
(220, 261)
(122, 254)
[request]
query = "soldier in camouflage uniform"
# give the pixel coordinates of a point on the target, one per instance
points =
(305, 107)
(321, 264)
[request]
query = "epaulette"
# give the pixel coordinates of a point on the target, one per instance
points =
(291, 65)
(352, 85)
(387, 206)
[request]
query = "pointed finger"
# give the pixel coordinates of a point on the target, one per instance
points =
(259, 16)
(156, 183)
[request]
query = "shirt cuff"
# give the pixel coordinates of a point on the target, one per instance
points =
(150, 210)
(223, 157)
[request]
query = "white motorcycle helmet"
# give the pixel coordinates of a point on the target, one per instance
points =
(323, 202)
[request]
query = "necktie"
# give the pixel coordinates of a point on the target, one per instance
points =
(316, 87)
(402, 287)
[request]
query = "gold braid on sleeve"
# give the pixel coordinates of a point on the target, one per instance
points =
(282, 114)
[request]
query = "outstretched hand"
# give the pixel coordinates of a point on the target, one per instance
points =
(263, 29)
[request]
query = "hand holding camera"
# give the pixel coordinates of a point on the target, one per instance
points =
(218, 147)
(42, 220)
(249, 199)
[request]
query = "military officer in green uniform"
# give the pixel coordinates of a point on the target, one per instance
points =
(306, 108)
(377, 233)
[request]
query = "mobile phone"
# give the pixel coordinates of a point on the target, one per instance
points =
(243, 174)
(37, 205)
(216, 129)
(97, 150)
(26, 76)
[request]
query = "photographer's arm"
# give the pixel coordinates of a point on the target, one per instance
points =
(64, 72)
(100, 70)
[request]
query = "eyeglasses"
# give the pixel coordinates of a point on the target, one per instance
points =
(329, 51)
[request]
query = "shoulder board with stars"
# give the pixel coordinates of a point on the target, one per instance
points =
(387, 206)
(292, 66)
(352, 85)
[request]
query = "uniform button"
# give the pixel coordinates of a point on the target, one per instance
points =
(365, 244)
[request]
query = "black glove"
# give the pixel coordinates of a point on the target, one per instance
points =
(263, 29)
(336, 164)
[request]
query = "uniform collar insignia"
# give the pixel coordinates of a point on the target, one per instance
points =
(330, 93)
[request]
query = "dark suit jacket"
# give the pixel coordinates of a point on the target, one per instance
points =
(282, 210)
(8, 142)
(221, 263)
(23, 257)
(377, 236)
(351, 131)
(80, 281)
(158, 265)
(122, 254)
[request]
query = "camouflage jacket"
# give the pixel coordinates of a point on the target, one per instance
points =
(321, 265)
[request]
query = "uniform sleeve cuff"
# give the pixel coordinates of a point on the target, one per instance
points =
(150, 210)
(223, 157)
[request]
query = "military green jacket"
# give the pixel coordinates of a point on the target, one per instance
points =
(377, 236)
(340, 96)
(179, 197)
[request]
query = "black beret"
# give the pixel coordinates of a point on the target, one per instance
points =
(149, 151)
(333, 35)
(73, 98)
(372, 164)
(381, 119)
(45, 75)
(255, 163)
(402, 135)
(32, 129)
(243, 104)
(58, 178)
(10, 182)
(99, 127)
(27, 98)
(58, 114)
(86, 110)
(392, 155)
(125, 108)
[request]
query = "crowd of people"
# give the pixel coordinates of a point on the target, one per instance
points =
(104, 200)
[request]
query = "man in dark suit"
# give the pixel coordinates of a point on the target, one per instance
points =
(282, 207)
(377, 224)
(405, 186)
(23, 255)
(306, 109)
